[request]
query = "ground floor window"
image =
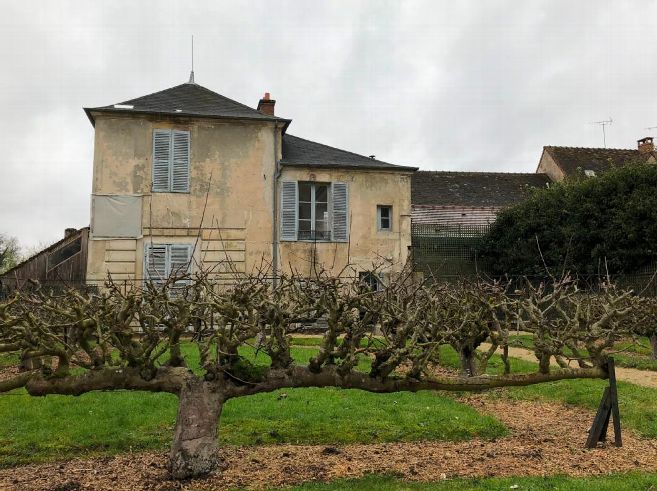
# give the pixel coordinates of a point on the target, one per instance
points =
(164, 261)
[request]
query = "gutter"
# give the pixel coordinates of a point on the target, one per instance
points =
(274, 241)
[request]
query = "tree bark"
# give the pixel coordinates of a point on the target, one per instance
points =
(194, 451)
(653, 342)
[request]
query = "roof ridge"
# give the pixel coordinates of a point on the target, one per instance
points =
(147, 95)
(593, 148)
(475, 172)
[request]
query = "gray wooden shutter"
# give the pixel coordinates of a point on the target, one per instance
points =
(180, 162)
(155, 262)
(340, 212)
(289, 210)
(180, 256)
(161, 160)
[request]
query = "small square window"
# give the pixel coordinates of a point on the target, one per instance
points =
(384, 218)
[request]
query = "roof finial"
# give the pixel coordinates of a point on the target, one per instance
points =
(191, 75)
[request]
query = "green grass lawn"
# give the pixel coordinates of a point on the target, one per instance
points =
(58, 427)
(618, 482)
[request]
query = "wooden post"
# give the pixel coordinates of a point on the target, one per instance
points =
(607, 409)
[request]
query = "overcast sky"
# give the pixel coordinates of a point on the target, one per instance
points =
(441, 85)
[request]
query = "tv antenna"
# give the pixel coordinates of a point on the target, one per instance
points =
(191, 75)
(603, 124)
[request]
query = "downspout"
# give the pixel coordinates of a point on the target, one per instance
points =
(274, 242)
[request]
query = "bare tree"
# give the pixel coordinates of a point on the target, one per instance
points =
(116, 339)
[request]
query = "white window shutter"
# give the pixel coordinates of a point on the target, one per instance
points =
(161, 160)
(155, 262)
(180, 162)
(180, 256)
(340, 214)
(289, 210)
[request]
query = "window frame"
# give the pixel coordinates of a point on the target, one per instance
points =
(379, 218)
(313, 212)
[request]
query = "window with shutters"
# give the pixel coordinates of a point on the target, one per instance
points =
(170, 161)
(164, 261)
(314, 211)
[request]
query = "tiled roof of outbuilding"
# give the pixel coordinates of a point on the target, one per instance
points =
(188, 99)
(569, 159)
(305, 153)
(479, 189)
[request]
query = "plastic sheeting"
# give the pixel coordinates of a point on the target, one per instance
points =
(116, 216)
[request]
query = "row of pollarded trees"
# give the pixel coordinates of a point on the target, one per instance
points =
(87, 341)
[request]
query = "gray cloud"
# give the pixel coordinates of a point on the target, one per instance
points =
(439, 84)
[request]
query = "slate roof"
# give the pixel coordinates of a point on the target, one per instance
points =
(474, 189)
(190, 99)
(305, 153)
(569, 159)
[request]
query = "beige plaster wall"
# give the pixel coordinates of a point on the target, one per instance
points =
(367, 245)
(548, 166)
(234, 160)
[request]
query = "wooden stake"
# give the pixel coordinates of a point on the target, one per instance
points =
(608, 407)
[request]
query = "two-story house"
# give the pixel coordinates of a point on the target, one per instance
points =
(187, 178)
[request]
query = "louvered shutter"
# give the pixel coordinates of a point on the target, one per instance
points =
(180, 256)
(161, 160)
(155, 263)
(340, 212)
(289, 209)
(180, 162)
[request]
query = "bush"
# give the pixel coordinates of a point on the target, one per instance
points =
(583, 225)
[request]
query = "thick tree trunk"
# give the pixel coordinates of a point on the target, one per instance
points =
(653, 342)
(194, 448)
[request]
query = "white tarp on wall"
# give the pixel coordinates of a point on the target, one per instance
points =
(116, 216)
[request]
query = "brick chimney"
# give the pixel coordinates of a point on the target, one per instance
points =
(646, 145)
(266, 105)
(69, 231)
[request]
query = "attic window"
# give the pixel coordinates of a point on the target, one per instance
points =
(589, 173)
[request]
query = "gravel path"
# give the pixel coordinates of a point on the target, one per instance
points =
(645, 378)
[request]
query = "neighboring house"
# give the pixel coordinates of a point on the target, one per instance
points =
(562, 162)
(186, 177)
(62, 263)
(468, 199)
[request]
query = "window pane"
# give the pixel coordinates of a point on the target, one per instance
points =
(321, 193)
(304, 225)
(321, 211)
(385, 212)
(305, 191)
(304, 211)
(385, 223)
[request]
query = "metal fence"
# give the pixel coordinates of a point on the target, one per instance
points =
(447, 251)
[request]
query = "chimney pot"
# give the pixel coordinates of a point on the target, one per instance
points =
(645, 145)
(266, 105)
(69, 231)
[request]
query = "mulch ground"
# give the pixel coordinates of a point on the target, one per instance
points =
(545, 439)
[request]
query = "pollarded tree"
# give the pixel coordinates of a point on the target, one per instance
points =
(116, 339)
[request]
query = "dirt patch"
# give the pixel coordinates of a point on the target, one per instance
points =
(545, 439)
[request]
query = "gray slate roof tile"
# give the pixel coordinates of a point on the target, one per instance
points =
(569, 159)
(188, 99)
(305, 153)
(478, 189)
